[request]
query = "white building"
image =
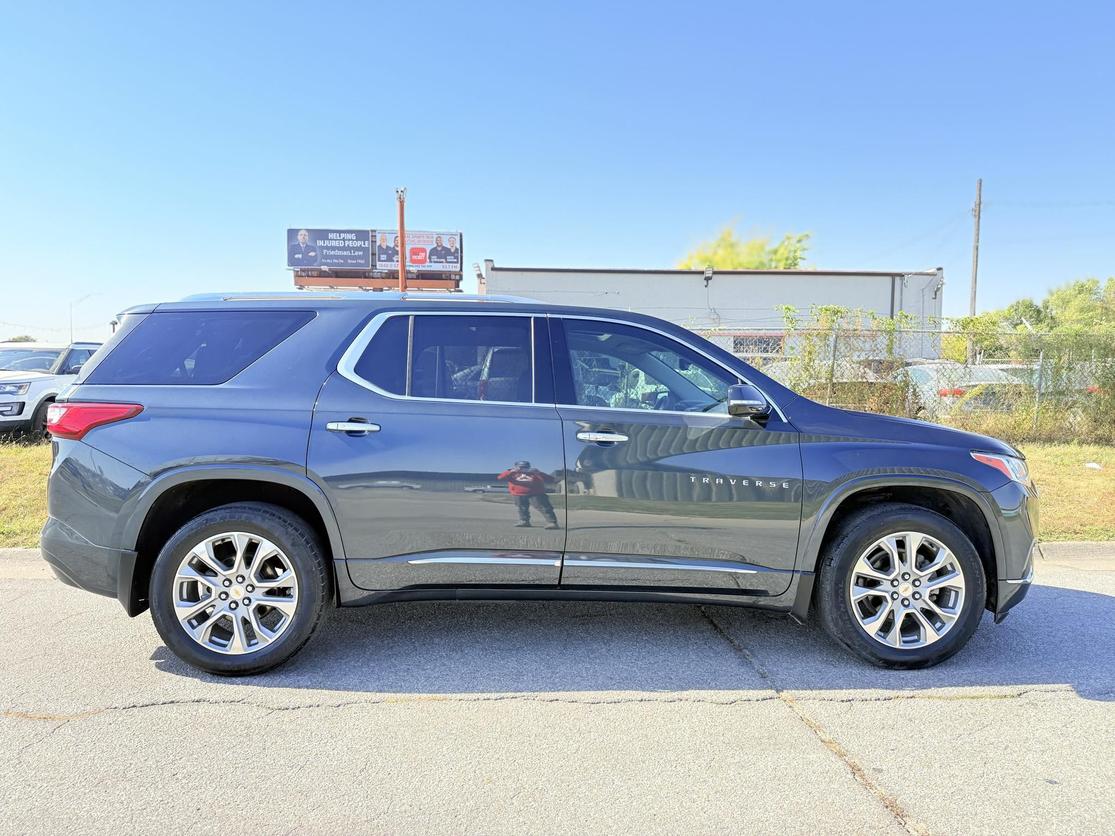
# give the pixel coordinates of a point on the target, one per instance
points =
(741, 309)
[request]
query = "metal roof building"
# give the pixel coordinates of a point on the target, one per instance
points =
(740, 307)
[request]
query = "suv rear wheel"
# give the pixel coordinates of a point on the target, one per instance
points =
(239, 589)
(901, 586)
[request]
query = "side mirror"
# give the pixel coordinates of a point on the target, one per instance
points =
(745, 401)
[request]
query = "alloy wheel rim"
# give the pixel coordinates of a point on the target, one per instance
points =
(235, 593)
(907, 590)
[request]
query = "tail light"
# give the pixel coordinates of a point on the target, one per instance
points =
(73, 420)
(954, 392)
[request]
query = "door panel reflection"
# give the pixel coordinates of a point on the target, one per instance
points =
(715, 501)
(452, 483)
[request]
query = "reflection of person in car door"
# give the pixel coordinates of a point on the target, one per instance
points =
(528, 486)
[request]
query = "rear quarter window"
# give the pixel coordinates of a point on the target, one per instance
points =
(384, 362)
(199, 348)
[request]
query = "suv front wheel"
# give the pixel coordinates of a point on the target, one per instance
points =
(37, 429)
(239, 589)
(901, 586)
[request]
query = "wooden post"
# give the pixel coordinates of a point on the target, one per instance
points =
(401, 195)
(977, 210)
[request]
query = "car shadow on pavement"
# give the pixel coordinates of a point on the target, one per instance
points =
(1058, 637)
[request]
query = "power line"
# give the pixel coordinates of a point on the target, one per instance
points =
(1052, 204)
(46, 328)
(953, 221)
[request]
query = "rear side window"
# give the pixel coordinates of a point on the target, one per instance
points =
(472, 358)
(196, 348)
(453, 357)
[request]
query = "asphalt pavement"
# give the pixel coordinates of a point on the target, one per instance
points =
(559, 717)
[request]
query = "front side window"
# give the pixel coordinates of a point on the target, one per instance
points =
(76, 359)
(467, 358)
(626, 367)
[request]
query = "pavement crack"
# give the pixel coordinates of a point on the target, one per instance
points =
(391, 699)
(776, 693)
(901, 816)
(38, 740)
(49, 717)
(1013, 694)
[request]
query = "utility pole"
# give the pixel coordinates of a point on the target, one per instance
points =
(975, 244)
(401, 195)
(976, 210)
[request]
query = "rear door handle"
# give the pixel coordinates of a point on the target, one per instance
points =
(601, 437)
(352, 427)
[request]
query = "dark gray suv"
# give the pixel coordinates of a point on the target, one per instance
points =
(239, 463)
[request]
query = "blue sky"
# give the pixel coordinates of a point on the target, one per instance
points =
(153, 150)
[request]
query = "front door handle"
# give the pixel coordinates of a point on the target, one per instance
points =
(601, 437)
(352, 427)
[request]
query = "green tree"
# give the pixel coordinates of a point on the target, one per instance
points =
(22, 338)
(1025, 313)
(1081, 311)
(1084, 303)
(729, 252)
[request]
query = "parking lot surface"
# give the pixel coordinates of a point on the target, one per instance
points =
(559, 717)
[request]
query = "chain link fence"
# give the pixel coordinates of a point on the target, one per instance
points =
(1016, 386)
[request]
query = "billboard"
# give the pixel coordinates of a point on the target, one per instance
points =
(338, 249)
(427, 252)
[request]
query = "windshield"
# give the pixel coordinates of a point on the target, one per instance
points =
(955, 375)
(28, 359)
(984, 375)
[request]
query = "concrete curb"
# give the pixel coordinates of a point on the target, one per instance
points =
(23, 564)
(1078, 549)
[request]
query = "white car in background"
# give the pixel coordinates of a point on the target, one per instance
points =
(31, 376)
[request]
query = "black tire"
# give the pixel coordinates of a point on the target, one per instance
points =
(37, 430)
(855, 535)
(298, 543)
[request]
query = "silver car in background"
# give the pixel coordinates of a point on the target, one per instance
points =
(936, 389)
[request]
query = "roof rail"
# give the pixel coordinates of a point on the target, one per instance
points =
(353, 295)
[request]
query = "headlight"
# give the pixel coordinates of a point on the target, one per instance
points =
(1009, 466)
(14, 388)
